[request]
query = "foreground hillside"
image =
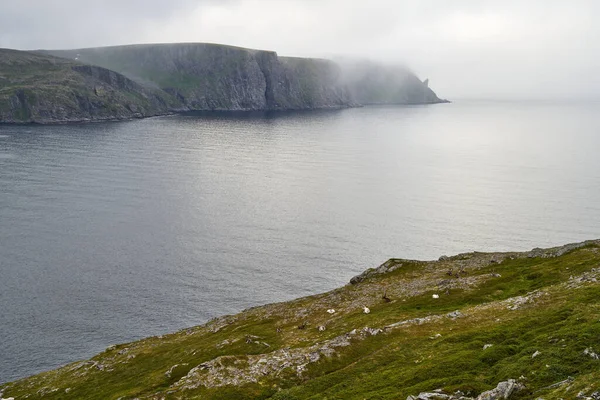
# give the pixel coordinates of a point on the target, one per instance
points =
(475, 325)
(45, 89)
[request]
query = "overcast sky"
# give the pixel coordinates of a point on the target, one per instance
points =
(468, 48)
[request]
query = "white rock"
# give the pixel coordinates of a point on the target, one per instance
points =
(331, 311)
(487, 346)
(503, 391)
(590, 352)
(321, 328)
(366, 310)
(537, 353)
(436, 296)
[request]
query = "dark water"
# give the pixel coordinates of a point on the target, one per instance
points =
(112, 232)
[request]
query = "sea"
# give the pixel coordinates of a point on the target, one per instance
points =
(111, 232)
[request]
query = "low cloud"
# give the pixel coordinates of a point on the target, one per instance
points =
(468, 48)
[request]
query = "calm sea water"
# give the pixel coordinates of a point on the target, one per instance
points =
(115, 231)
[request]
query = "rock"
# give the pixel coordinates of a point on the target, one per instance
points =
(537, 353)
(455, 314)
(321, 328)
(372, 331)
(366, 310)
(590, 352)
(431, 396)
(487, 346)
(388, 266)
(503, 391)
(435, 296)
(331, 311)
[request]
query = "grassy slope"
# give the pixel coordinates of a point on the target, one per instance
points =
(158, 63)
(520, 303)
(187, 68)
(52, 88)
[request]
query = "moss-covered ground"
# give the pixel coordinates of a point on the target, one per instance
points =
(543, 303)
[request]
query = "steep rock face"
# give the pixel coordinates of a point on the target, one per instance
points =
(310, 83)
(216, 77)
(144, 80)
(45, 89)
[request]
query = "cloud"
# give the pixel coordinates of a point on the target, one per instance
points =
(468, 48)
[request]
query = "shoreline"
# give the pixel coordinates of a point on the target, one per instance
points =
(211, 112)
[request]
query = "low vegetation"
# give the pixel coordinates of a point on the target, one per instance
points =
(461, 324)
(45, 89)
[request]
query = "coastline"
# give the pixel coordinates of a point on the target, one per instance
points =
(375, 310)
(206, 111)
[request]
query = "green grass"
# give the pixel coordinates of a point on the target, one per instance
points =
(40, 88)
(560, 324)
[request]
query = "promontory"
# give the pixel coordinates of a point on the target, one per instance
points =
(135, 81)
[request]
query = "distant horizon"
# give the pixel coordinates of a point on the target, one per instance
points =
(470, 49)
(434, 83)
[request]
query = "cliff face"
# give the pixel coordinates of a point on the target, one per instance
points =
(45, 89)
(216, 77)
(143, 80)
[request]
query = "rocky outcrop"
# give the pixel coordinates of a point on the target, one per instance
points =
(44, 89)
(504, 390)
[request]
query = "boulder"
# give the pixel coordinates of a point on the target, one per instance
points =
(503, 391)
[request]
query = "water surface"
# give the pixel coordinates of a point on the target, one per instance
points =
(111, 232)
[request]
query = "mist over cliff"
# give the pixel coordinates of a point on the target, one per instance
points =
(218, 77)
(135, 81)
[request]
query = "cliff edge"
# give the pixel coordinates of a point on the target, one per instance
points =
(205, 76)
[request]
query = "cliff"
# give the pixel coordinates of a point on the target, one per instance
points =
(45, 89)
(152, 79)
(479, 326)
(217, 77)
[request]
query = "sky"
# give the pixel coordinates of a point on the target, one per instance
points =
(502, 49)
